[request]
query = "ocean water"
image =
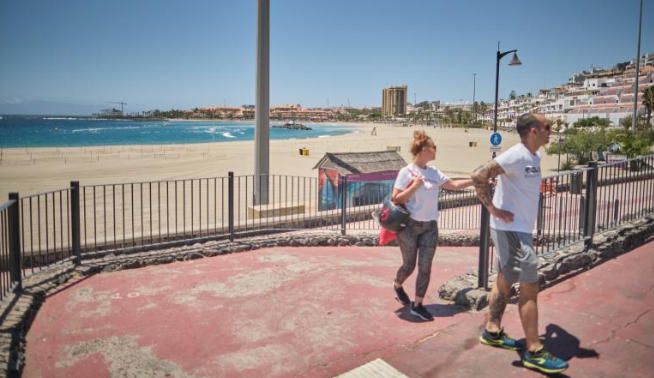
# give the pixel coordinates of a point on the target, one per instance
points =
(38, 131)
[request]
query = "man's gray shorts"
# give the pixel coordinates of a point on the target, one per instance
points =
(516, 257)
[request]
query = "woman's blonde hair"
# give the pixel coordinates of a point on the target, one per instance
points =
(420, 141)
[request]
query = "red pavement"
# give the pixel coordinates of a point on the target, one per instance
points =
(319, 312)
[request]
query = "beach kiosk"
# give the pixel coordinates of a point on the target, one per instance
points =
(369, 177)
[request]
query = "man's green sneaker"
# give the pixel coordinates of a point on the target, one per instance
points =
(500, 340)
(543, 361)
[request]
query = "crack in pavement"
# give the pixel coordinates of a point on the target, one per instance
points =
(614, 331)
(641, 343)
(416, 344)
(637, 318)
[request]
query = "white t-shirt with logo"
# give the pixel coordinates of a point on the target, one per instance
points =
(423, 205)
(518, 189)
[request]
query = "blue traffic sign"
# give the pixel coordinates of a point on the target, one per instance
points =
(496, 139)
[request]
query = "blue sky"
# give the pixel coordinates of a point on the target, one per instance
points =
(77, 56)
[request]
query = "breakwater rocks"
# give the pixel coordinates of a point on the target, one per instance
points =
(292, 126)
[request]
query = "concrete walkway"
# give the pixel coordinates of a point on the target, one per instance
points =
(320, 312)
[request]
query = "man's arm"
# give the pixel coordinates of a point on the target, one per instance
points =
(481, 180)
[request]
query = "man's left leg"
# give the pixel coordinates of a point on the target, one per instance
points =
(528, 308)
(535, 357)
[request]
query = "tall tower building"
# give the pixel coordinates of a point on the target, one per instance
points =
(394, 101)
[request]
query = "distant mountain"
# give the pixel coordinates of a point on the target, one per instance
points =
(20, 107)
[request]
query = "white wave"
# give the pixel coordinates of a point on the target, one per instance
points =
(324, 136)
(226, 134)
(90, 130)
(60, 118)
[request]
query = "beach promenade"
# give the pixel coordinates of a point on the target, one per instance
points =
(324, 311)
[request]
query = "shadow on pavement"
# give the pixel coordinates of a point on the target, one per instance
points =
(565, 345)
(562, 344)
(437, 310)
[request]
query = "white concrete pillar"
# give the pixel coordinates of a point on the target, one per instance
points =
(262, 132)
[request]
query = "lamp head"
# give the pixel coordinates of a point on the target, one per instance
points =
(515, 61)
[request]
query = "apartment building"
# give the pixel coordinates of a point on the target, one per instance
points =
(394, 101)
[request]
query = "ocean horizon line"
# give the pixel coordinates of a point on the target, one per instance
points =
(49, 131)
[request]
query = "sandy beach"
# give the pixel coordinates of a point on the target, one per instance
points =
(34, 170)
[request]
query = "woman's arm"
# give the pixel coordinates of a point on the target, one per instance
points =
(401, 197)
(457, 184)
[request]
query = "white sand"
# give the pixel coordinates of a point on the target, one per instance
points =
(34, 170)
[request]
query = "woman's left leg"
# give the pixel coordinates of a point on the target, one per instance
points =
(427, 242)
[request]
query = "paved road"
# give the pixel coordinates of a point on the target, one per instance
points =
(320, 312)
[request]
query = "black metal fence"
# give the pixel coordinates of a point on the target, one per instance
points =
(115, 216)
(118, 216)
(47, 228)
(625, 191)
(10, 251)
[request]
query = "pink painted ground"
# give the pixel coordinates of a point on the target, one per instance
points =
(319, 312)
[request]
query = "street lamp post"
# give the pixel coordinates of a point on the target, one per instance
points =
(514, 62)
(559, 142)
(474, 87)
(634, 118)
(484, 236)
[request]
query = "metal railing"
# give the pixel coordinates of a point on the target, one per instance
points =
(10, 251)
(79, 220)
(625, 191)
(117, 216)
(46, 228)
(561, 211)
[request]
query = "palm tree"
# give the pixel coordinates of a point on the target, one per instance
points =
(483, 108)
(648, 101)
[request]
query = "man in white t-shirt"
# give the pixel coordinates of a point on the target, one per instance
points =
(513, 211)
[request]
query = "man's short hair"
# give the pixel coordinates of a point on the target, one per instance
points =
(526, 122)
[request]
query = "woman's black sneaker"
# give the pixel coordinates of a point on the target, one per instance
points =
(401, 296)
(421, 312)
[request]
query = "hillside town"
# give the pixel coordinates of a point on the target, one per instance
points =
(606, 93)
